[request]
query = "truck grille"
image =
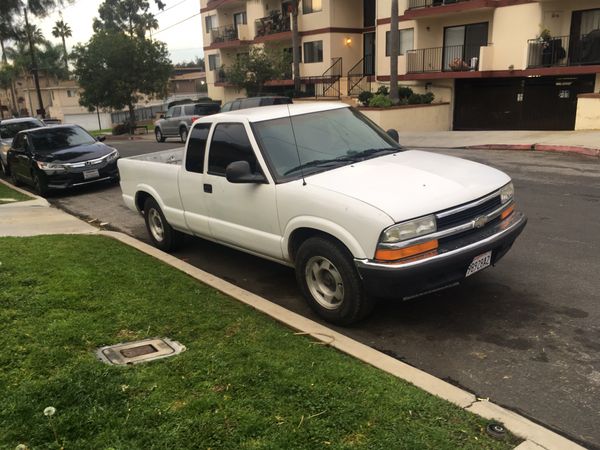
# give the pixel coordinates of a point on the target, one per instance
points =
(443, 223)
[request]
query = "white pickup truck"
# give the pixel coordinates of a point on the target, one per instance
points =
(318, 187)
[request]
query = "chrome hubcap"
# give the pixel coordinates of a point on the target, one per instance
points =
(156, 225)
(324, 282)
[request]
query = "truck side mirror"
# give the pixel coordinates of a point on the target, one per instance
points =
(239, 172)
(393, 134)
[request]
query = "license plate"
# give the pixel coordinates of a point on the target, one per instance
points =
(88, 174)
(479, 263)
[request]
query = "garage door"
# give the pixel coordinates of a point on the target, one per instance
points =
(536, 103)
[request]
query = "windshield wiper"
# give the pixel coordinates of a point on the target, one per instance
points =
(371, 152)
(320, 162)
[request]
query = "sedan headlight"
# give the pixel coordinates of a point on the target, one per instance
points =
(409, 230)
(507, 193)
(50, 167)
(111, 157)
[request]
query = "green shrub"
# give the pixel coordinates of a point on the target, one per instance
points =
(428, 97)
(383, 90)
(380, 101)
(122, 128)
(365, 97)
(418, 99)
(404, 92)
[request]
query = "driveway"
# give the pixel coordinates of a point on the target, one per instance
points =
(525, 334)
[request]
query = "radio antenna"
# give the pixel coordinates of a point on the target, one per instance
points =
(296, 144)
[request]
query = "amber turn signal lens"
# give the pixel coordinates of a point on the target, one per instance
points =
(507, 212)
(394, 255)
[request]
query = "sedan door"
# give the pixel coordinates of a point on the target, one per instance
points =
(19, 159)
(242, 215)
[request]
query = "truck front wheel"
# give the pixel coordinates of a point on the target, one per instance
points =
(330, 283)
(163, 236)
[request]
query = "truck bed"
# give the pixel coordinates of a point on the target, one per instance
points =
(172, 156)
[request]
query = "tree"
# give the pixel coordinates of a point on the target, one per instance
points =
(62, 30)
(115, 69)
(195, 63)
(394, 51)
(128, 16)
(253, 70)
(7, 76)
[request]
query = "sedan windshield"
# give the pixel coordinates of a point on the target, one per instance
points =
(52, 139)
(314, 142)
(10, 130)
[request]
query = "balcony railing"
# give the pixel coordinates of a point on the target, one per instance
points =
(220, 76)
(452, 58)
(224, 34)
(414, 4)
(563, 51)
(274, 23)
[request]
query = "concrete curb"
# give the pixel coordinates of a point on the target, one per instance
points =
(39, 201)
(535, 436)
(539, 148)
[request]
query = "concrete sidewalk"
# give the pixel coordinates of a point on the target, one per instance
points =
(582, 142)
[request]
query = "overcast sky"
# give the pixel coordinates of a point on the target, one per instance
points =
(184, 40)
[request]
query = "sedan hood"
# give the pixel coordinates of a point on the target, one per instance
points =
(412, 183)
(76, 154)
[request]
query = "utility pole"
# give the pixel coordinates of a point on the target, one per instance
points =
(34, 68)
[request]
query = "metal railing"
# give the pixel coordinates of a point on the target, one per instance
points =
(358, 80)
(220, 75)
(563, 51)
(274, 23)
(414, 4)
(226, 33)
(452, 58)
(326, 85)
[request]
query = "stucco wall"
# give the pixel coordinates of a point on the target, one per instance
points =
(434, 117)
(588, 112)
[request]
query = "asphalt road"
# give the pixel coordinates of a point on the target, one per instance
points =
(525, 334)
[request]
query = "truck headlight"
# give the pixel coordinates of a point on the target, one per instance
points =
(50, 167)
(409, 230)
(507, 193)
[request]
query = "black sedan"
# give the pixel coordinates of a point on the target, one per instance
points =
(60, 157)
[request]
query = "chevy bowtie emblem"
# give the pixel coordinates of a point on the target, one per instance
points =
(480, 221)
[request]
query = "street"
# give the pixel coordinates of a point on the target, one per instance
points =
(524, 334)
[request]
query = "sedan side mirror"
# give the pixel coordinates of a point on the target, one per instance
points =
(239, 172)
(101, 138)
(393, 134)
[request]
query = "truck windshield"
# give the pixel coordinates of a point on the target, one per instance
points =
(320, 141)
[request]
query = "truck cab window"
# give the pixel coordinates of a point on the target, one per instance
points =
(230, 143)
(194, 160)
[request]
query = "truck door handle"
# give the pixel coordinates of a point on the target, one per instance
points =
(208, 188)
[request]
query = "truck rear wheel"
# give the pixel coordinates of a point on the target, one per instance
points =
(162, 235)
(330, 283)
(159, 136)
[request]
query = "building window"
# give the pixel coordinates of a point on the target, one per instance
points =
(311, 6)
(407, 41)
(214, 62)
(313, 52)
(69, 93)
(210, 22)
(239, 19)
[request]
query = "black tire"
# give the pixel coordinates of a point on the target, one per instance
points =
(39, 185)
(167, 240)
(183, 134)
(321, 254)
(159, 136)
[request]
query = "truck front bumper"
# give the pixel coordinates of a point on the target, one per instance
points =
(445, 269)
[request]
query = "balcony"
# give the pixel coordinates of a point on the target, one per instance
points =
(452, 58)
(414, 4)
(229, 36)
(220, 77)
(564, 51)
(276, 26)
(430, 8)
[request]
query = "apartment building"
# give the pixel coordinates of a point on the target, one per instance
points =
(502, 64)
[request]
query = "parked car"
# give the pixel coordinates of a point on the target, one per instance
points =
(8, 130)
(322, 189)
(179, 119)
(60, 157)
(254, 102)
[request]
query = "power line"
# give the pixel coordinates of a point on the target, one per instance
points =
(170, 7)
(178, 23)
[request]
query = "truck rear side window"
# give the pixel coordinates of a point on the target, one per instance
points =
(230, 143)
(194, 161)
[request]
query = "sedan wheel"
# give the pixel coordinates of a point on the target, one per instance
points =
(38, 185)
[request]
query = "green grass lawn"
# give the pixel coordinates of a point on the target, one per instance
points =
(97, 133)
(245, 381)
(7, 193)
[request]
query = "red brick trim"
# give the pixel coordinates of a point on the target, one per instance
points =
(214, 4)
(285, 35)
(279, 83)
(332, 30)
(368, 108)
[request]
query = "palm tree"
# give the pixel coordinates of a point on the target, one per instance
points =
(62, 30)
(394, 50)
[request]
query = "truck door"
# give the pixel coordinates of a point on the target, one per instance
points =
(243, 215)
(191, 182)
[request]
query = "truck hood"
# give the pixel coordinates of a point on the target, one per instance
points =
(412, 183)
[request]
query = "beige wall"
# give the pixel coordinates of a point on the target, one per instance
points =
(588, 114)
(346, 13)
(418, 118)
